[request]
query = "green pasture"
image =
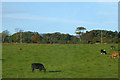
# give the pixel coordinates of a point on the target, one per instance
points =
(60, 61)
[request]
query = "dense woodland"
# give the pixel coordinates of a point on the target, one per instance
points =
(89, 37)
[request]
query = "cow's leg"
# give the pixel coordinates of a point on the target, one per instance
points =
(32, 69)
(44, 70)
(114, 57)
(40, 69)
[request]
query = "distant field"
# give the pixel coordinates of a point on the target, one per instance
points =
(61, 61)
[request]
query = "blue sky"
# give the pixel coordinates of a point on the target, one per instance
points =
(64, 17)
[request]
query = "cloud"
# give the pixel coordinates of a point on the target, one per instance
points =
(12, 11)
(31, 17)
(40, 18)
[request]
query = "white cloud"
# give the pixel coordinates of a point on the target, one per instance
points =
(14, 18)
(40, 18)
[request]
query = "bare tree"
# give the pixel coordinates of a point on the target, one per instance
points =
(16, 30)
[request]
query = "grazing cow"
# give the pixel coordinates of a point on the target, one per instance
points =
(114, 55)
(38, 66)
(20, 49)
(103, 51)
(112, 47)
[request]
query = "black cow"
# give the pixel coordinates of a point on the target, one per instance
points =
(103, 51)
(38, 66)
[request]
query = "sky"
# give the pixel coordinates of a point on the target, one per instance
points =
(63, 17)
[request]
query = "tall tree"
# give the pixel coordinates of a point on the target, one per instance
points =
(79, 31)
(5, 33)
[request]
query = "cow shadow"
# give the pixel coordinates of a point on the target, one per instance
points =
(54, 71)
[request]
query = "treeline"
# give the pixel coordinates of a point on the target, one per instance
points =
(89, 37)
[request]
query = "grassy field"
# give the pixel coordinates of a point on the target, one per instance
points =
(61, 61)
